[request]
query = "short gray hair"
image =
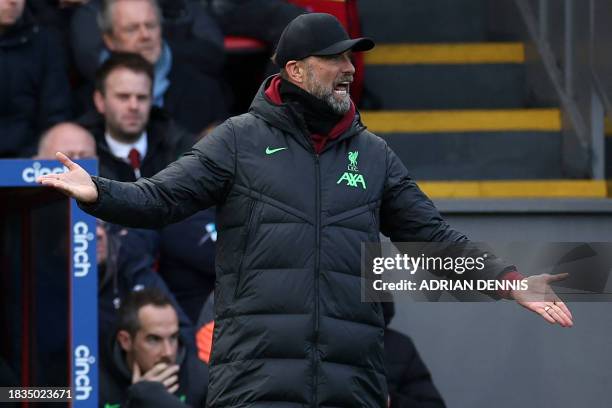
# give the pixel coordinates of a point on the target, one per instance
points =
(105, 16)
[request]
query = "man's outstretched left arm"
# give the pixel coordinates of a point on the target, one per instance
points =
(408, 215)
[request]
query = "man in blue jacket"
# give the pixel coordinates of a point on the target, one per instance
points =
(299, 183)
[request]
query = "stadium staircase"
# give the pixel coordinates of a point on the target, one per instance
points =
(452, 101)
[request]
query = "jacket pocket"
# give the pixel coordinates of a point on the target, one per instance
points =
(248, 234)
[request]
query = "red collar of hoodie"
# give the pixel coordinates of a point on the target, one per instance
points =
(318, 141)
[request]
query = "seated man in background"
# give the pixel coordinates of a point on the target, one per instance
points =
(192, 98)
(191, 32)
(125, 256)
(147, 363)
(67, 137)
(34, 88)
(133, 138)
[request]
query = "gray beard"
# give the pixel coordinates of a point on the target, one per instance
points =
(339, 106)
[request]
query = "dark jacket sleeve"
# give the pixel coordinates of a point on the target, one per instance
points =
(199, 179)
(407, 214)
(149, 394)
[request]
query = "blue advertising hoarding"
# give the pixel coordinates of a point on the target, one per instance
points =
(83, 277)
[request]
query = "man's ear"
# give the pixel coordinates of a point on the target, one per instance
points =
(108, 41)
(125, 340)
(295, 71)
(98, 99)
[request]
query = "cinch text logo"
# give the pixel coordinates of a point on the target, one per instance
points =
(29, 174)
(83, 360)
(82, 236)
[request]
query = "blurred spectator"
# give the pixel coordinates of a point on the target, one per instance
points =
(34, 89)
(132, 139)
(126, 258)
(261, 19)
(68, 138)
(192, 33)
(187, 260)
(147, 363)
(56, 14)
(408, 379)
(123, 125)
(194, 97)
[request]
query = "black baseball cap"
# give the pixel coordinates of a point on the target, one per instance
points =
(316, 34)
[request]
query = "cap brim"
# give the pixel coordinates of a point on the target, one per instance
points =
(357, 44)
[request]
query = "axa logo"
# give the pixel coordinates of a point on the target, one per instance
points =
(352, 180)
(350, 177)
(81, 238)
(29, 174)
(83, 360)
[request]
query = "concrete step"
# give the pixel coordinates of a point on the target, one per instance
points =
(473, 144)
(424, 21)
(479, 155)
(483, 86)
(445, 76)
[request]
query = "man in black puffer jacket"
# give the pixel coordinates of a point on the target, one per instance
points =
(299, 184)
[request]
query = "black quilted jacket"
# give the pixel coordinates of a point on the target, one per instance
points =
(291, 330)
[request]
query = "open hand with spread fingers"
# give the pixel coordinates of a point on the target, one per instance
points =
(75, 183)
(541, 299)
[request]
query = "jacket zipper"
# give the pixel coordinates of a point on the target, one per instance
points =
(316, 280)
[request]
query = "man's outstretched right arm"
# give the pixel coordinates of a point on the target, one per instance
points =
(199, 179)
